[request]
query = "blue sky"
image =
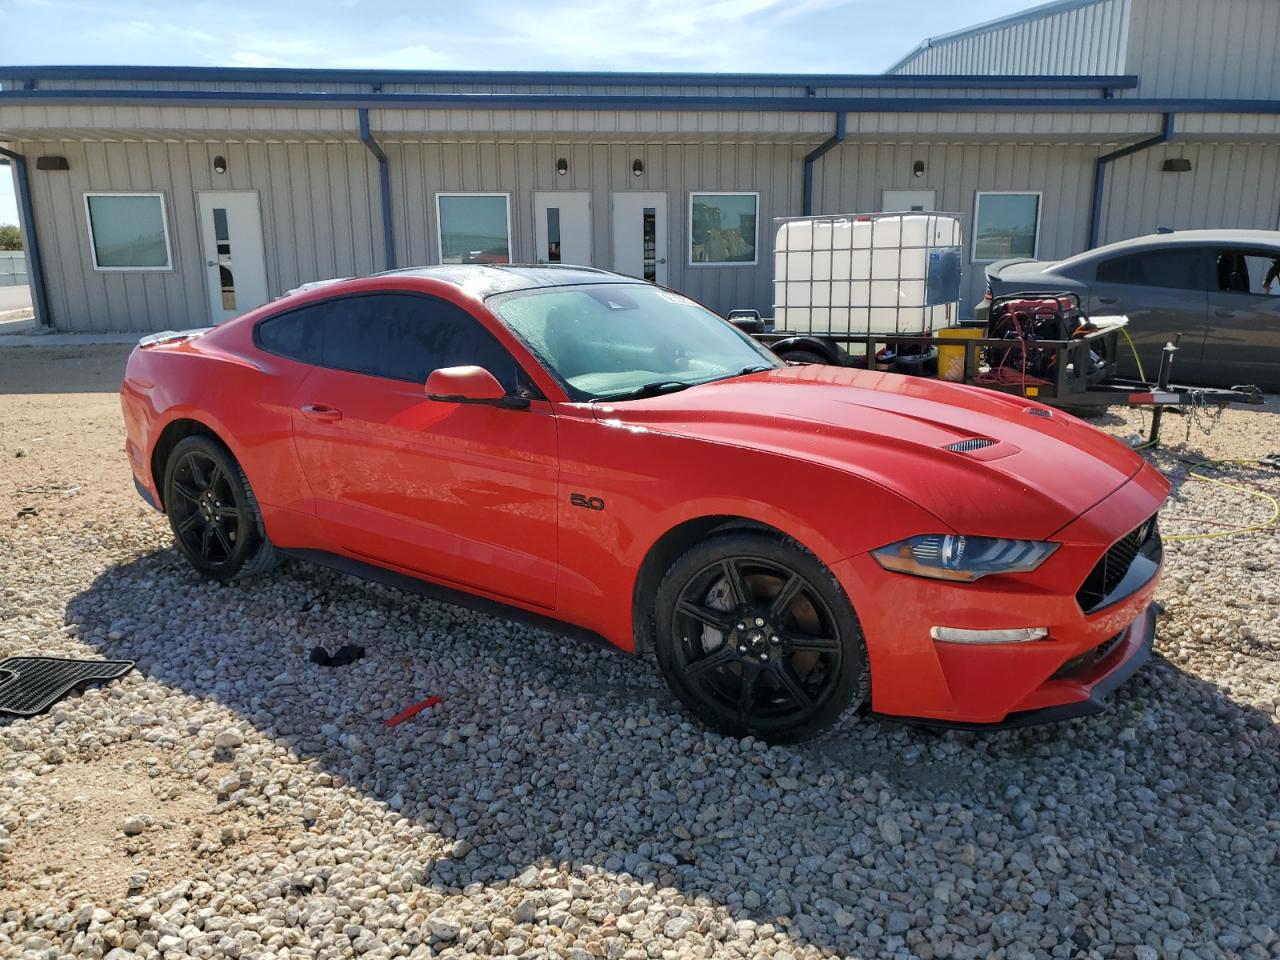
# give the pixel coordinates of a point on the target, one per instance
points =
(802, 36)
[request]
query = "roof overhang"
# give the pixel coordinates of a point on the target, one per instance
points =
(388, 78)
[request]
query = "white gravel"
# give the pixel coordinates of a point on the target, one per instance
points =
(230, 798)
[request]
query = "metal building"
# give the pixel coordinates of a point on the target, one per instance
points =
(168, 197)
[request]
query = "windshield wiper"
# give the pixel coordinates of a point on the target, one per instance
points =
(652, 389)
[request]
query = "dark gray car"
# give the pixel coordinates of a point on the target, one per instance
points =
(1208, 285)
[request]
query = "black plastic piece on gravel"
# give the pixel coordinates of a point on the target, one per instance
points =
(344, 655)
(30, 685)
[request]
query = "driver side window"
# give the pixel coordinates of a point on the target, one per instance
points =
(1247, 271)
(390, 335)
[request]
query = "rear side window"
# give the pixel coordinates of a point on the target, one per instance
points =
(395, 336)
(298, 335)
(1171, 269)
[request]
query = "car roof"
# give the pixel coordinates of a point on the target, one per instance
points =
(484, 279)
(1199, 237)
(1178, 238)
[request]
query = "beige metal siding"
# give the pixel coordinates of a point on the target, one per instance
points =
(852, 178)
(1229, 185)
(1089, 39)
(1206, 48)
(319, 219)
(421, 170)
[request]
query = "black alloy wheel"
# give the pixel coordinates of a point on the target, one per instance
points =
(757, 637)
(212, 511)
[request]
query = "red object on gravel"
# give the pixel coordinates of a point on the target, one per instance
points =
(413, 711)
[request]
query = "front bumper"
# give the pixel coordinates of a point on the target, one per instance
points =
(1089, 650)
(1121, 663)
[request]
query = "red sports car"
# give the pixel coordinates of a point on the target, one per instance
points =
(573, 446)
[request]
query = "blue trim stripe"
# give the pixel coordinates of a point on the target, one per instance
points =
(384, 185)
(472, 101)
(561, 78)
(1100, 173)
(806, 199)
(32, 244)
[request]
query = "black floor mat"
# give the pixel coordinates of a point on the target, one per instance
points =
(29, 685)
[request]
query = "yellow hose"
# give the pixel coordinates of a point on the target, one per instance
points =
(1129, 340)
(1250, 491)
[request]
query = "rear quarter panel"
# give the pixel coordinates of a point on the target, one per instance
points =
(245, 400)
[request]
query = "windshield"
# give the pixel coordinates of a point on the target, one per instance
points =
(619, 341)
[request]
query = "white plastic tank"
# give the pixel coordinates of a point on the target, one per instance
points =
(867, 273)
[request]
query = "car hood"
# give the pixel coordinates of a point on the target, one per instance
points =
(1040, 473)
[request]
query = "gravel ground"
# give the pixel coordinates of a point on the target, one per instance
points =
(229, 798)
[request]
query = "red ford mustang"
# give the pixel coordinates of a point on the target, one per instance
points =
(572, 446)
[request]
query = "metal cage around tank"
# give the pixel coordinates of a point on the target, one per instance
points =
(867, 273)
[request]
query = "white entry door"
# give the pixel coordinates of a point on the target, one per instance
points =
(562, 227)
(235, 264)
(896, 201)
(640, 235)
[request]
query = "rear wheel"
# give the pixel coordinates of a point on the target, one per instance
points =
(212, 511)
(756, 637)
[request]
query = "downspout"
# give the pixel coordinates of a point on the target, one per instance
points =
(1100, 173)
(806, 206)
(30, 241)
(384, 181)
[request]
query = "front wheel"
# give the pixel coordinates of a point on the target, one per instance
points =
(212, 511)
(757, 637)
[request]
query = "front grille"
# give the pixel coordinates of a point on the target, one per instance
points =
(1115, 563)
(1086, 660)
(973, 443)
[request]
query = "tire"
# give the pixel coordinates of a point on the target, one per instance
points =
(755, 636)
(805, 356)
(213, 513)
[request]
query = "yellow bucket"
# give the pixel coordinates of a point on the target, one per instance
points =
(951, 355)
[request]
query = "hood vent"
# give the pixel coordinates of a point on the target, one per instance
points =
(966, 446)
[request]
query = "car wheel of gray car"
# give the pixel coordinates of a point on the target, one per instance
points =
(213, 513)
(757, 637)
(803, 356)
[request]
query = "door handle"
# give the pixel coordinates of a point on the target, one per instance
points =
(321, 412)
(1107, 300)
(211, 263)
(663, 260)
(1224, 313)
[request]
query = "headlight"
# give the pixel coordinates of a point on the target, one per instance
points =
(948, 556)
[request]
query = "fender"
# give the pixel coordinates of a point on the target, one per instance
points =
(822, 347)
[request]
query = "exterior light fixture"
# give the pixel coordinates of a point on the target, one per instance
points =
(562, 166)
(917, 168)
(52, 163)
(219, 164)
(1176, 165)
(637, 168)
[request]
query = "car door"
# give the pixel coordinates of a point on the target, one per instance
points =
(1163, 292)
(1243, 342)
(463, 493)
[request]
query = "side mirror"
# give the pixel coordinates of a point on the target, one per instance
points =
(470, 385)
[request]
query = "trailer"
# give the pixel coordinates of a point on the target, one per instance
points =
(881, 291)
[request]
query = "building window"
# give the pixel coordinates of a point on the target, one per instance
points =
(474, 227)
(1006, 225)
(128, 231)
(722, 228)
